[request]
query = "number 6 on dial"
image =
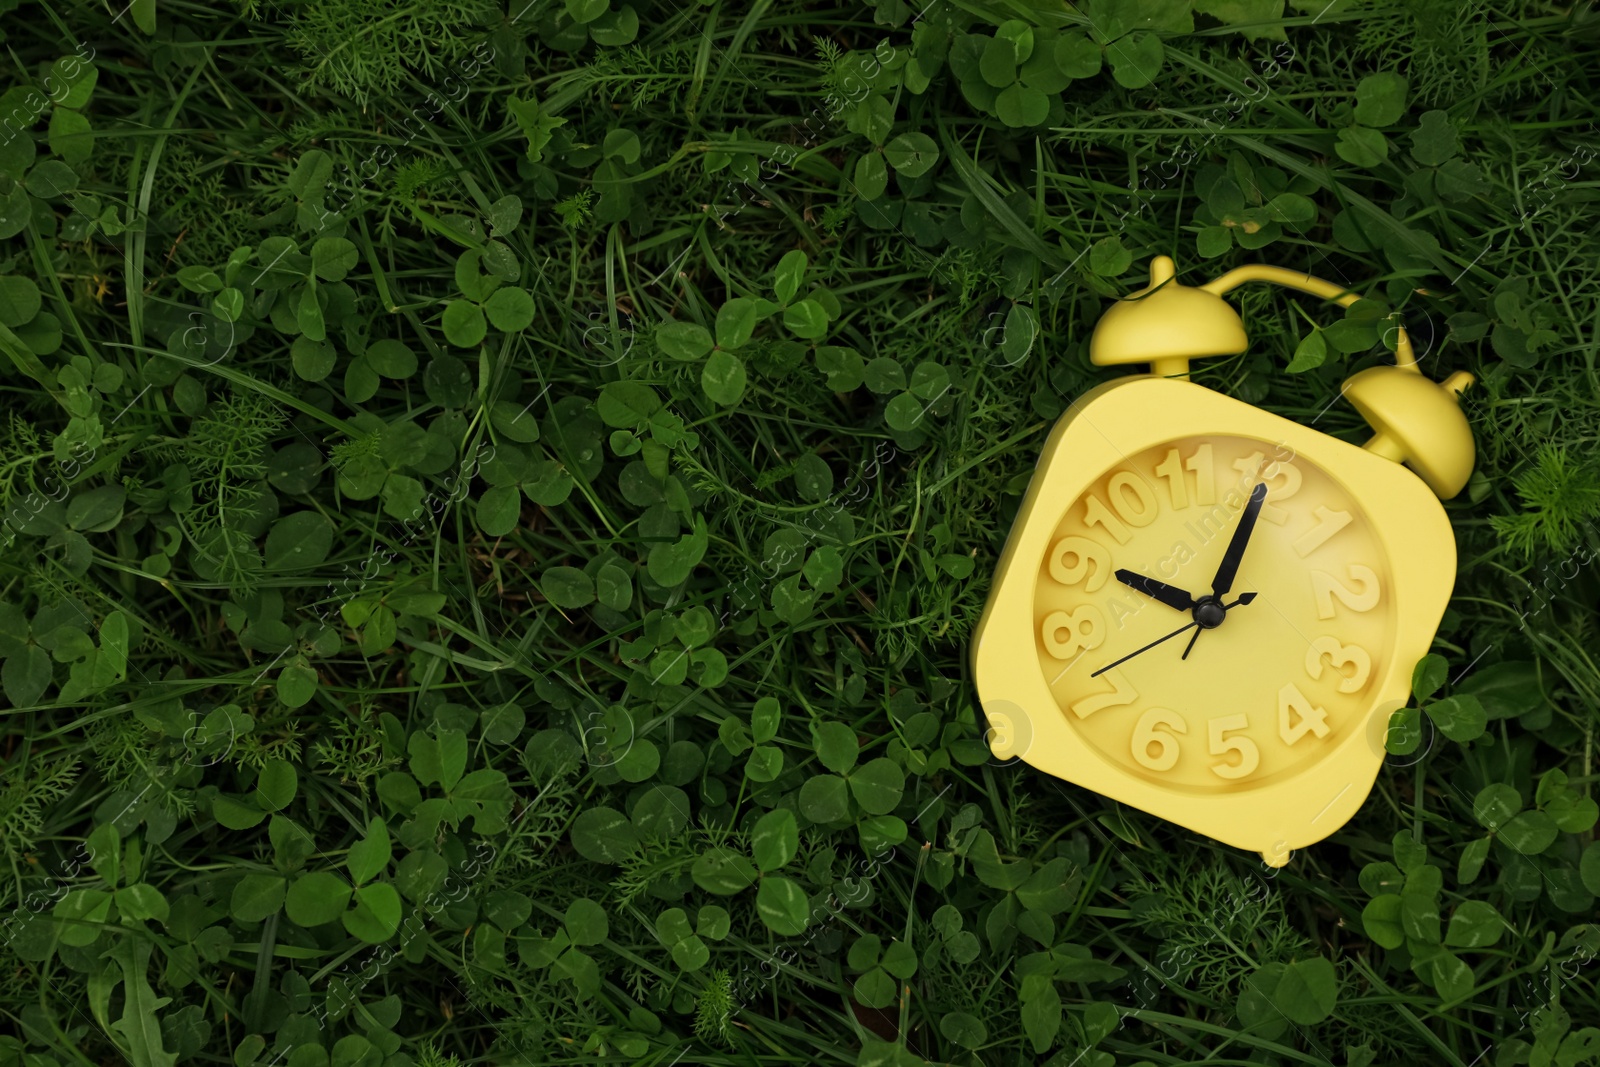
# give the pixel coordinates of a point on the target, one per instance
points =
(1145, 734)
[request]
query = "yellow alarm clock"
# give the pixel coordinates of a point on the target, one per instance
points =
(1210, 612)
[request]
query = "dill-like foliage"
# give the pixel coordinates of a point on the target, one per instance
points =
(367, 444)
(1560, 495)
(547, 1017)
(636, 76)
(658, 860)
(1216, 926)
(129, 758)
(255, 748)
(430, 1055)
(121, 748)
(211, 218)
(20, 451)
(224, 450)
(418, 173)
(352, 748)
(575, 210)
(540, 826)
(25, 798)
(713, 1009)
(1442, 45)
(364, 48)
(833, 72)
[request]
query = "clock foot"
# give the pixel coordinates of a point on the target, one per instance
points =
(1278, 856)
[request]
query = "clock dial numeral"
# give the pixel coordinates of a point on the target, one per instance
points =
(1205, 476)
(1297, 716)
(1341, 656)
(1082, 552)
(1146, 734)
(1131, 499)
(1171, 469)
(1329, 522)
(1221, 744)
(1205, 479)
(1253, 466)
(1096, 513)
(1326, 588)
(1121, 693)
(1137, 509)
(1083, 628)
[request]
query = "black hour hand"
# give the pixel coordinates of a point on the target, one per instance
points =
(1170, 595)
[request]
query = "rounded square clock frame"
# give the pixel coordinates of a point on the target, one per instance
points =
(1101, 430)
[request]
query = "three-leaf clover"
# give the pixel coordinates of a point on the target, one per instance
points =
(81, 912)
(22, 312)
(1046, 890)
(513, 473)
(1280, 994)
(382, 463)
(1405, 911)
(31, 650)
(1248, 206)
(780, 901)
(875, 786)
(1529, 832)
(723, 375)
(1436, 144)
(584, 925)
(438, 757)
(484, 302)
(808, 317)
(671, 650)
(275, 787)
(880, 965)
(1459, 717)
(1380, 101)
(685, 942)
(810, 575)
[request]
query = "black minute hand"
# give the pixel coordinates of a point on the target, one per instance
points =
(1241, 537)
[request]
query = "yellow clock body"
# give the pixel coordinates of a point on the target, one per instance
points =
(1264, 730)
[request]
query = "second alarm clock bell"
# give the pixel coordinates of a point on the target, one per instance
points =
(1208, 611)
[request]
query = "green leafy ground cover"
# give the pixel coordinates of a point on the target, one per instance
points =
(496, 498)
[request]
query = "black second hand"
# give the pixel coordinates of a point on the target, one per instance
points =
(1243, 599)
(1146, 648)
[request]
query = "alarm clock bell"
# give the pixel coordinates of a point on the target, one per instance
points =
(1417, 421)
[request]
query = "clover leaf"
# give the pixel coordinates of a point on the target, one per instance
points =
(688, 950)
(775, 839)
(1380, 99)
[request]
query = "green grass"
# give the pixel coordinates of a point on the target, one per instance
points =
(497, 497)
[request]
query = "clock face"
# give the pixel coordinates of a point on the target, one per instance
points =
(1271, 684)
